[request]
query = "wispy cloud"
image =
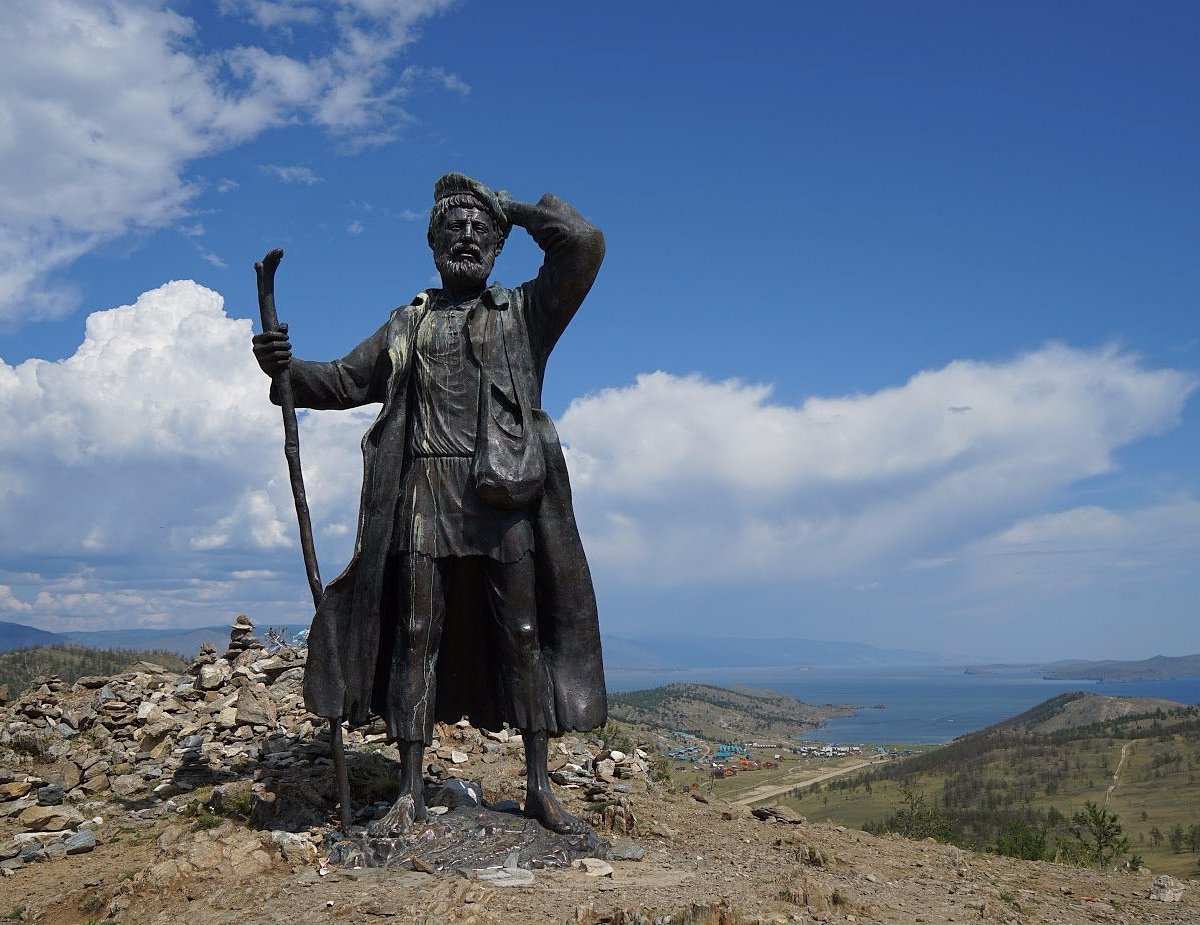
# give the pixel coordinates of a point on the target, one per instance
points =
(438, 76)
(215, 260)
(295, 173)
(65, 70)
(356, 227)
(270, 14)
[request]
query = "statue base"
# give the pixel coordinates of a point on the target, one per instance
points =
(464, 837)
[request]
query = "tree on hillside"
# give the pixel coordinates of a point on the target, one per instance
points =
(1175, 838)
(25, 666)
(914, 818)
(1156, 836)
(1099, 835)
(1023, 841)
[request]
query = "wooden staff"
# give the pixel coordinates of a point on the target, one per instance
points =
(282, 381)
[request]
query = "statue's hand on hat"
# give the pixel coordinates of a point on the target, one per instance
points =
(518, 213)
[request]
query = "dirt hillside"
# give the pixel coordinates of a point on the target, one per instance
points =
(206, 798)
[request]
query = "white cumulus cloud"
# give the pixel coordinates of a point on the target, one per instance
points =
(682, 478)
(151, 459)
(142, 480)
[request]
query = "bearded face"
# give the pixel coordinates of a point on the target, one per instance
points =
(465, 244)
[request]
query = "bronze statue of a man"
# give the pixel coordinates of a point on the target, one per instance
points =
(468, 592)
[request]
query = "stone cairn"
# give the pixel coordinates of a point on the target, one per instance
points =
(140, 745)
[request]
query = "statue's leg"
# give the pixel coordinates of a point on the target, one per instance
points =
(421, 599)
(412, 781)
(540, 801)
(526, 685)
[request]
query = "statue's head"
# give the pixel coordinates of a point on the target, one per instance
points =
(467, 228)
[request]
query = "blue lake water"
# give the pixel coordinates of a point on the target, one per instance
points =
(921, 704)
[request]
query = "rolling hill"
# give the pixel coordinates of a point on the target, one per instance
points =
(721, 714)
(19, 636)
(1139, 758)
(183, 642)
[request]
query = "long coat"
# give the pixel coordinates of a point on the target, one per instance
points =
(511, 333)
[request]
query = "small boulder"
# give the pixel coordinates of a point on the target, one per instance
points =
(777, 814)
(49, 818)
(594, 867)
(456, 792)
(255, 706)
(80, 842)
(211, 677)
(124, 785)
(1166, 889)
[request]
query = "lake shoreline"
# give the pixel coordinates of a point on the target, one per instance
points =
(920, 704)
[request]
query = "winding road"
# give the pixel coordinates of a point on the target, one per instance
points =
(759, 794)
(1117, 773)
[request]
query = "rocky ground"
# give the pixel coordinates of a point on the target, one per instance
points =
(207, 798)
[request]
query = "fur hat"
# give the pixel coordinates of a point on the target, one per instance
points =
(457, 184)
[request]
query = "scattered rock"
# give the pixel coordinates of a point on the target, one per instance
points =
(126, 784)
(456, 792)
(504, 876)
(625, 849)
(594, 867)
(255, 706)
(1166, 889)
(777, 814)
(80, 842)
(294, 848)
(49, 818)
(211, 677)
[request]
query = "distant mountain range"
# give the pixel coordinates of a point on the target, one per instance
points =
(185, 642)
(18, 636)
(620, 652)
(1158, 668)
(660, 652)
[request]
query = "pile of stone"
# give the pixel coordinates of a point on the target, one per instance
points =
(606, 780)
(152, 730)
(133, 744)
(602, 773)
(51, 830)
(147, 735)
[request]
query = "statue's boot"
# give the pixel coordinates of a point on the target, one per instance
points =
(396, 821)
(410, 806)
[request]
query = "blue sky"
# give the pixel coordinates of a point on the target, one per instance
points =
(896, 341)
